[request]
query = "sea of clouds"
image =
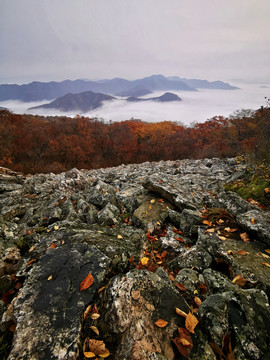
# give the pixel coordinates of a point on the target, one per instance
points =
(195, 106)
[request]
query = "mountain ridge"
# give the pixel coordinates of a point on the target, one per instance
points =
(36, 91)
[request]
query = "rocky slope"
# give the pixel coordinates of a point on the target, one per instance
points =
(150, 241)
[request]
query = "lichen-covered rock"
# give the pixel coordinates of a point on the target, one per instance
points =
(196, 258)
(123, 224)
(131, 305)
(49, 308)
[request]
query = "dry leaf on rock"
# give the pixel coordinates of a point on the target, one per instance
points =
(242, 252)
(266, 264)
(191, 322)
(244, 237)
(181, 286)
(53, 246)
(144, 260)
(89, 354)
(87, 282)
(95, 329)
(183, 342)
(161, 323)
(87, 311)
(239, 280)
(267, 250)
(95, 316)
(197, 301)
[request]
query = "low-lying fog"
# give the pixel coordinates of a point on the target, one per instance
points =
(194, 107)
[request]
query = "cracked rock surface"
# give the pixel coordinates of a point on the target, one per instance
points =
(154, 237)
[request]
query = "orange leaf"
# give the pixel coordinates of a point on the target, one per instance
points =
(30, 262)
(239, 280)
(161, 323)
(267, 250)
(266, 264)
(89, 354)
(191, 322)
(252, 221)
(242, 252)
(181, 286)
(197, 301)
(144, 260)
(267, 190)
(87, 281)
(53, 246)
(179, 239)
(206, 222)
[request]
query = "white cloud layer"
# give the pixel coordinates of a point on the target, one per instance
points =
(194, 107)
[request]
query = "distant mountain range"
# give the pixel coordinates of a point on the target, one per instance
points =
(90, 100)
(37, 91)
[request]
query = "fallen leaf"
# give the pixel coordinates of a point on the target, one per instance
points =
(267, 250)
(179, 239)
(217, 349)
(161, 323)
(267, 190)
(12, 327)
(206, 222)
(209, 230)
(53, 246)
(230, 252)
(244, 237)
(105, 354)
(220, 221)
(164, 253)
(95, 309)
(265, 256)
(197, 301)
(191, 322)
(89, 354)
(31, 248)
(152, 201)
(101, 289)
(239, 280)
(30, 262)
(87, 282)
(266, 264)
(87, 311)
(183, 350)
(230, 230)
(119, 237)
(56, 227)
(184, 342)
(222, 238)
(97, 347)
(95, 316)
(144, 261)
(50, 277)
(203, 288)
(242, 252)
(252, 220)
(180, 312)
(181, 286)
(95, 329)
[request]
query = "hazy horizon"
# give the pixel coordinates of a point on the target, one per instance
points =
(196, 106)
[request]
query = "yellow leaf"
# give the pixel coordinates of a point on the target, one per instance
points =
(101, 289)
(230, 252)
(150, 207)
(266, 264)
(222, 238)
(50, 277)
(56, 227)
(89, 354)
(161, 323)
(252, 221)
(266, 190)
(244, 237)
(95, 329)
(191, 322)
(180, 312)
(152, 201)
(184, 342)
(144, 261)
(31, 248)
(119, 237)
(197, 301)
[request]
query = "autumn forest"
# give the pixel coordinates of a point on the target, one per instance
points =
(31, 143)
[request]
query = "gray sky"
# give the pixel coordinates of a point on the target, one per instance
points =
(67, 39)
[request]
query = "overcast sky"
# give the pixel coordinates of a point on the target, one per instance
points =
(68, 39)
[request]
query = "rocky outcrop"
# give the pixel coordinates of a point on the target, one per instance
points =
(122, 263)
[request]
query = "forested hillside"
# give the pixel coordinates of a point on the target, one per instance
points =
(33, 144)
